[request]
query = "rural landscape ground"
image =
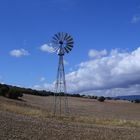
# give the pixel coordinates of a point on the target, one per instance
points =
(30, 118)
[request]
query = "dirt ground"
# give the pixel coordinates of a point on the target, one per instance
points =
(31, 119)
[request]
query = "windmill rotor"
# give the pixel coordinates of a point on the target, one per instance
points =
(62, 42)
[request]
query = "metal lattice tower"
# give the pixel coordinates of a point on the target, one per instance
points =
(62, 43)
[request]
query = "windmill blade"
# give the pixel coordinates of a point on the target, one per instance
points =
(70, 45)
(69, 48)
(56, 49)
(54, 38)
(62, 36)
(59, 36)
(56, 35)
(55, 42)
(69, 40)
(66, 35)
(66, 50)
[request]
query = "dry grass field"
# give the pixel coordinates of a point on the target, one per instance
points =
(31, 119)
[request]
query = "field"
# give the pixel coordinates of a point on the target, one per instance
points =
(31, 119)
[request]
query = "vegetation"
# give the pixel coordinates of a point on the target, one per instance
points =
(10, 92)
(101, 99)
(137, 101)
(14, 92)
(4, 89)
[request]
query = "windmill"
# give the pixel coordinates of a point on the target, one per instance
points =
(62, 43)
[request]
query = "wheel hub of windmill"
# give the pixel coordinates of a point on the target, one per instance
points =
(62, 43)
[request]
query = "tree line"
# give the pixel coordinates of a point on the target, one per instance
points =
(14, 92)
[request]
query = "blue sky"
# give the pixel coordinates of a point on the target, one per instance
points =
(101, 29)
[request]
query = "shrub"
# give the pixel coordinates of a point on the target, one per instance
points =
(137, 101)
(4, 89)
(93, 97)
(14, 93)
(101, 99)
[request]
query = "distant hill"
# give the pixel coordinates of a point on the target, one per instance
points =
(128, 97)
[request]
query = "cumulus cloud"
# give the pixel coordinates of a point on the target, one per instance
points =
(135, 19)
(19, 52)
(114, 74)
(131, 90)
(96, 54)
(47, 48)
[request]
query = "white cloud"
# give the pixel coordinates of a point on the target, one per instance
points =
(96, 54)
(132, 90)
(114, 74)
(47, 48)
(135, 19)
(19, 52)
